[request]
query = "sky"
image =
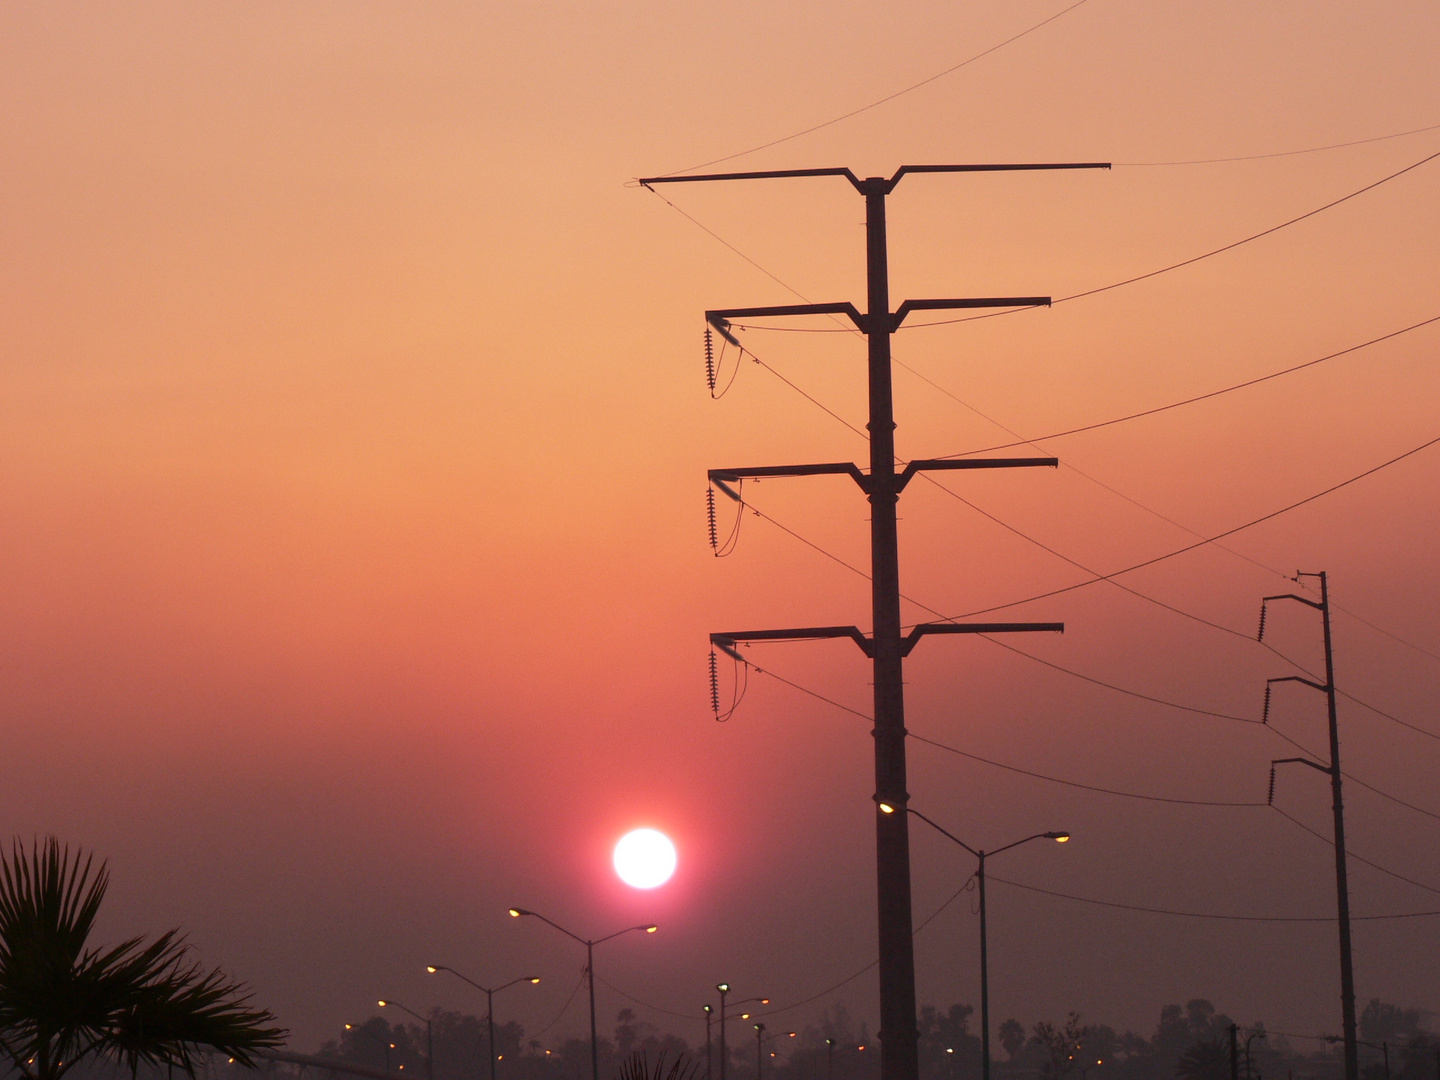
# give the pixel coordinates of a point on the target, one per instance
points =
(353, 437)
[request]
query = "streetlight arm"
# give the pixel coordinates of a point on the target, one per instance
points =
(512, 982)
(947, 832)
(649, 928)
(536, 915)
(412, 1012)
(462, 978)
(1017, 843)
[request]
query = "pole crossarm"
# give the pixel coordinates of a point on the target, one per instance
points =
(910, 640)
(727, 641)
(804, 633)
(1291, 596)
(948, 464)
(1300, 761)
(721, 318)
(828, 468)
(877, 183)
(949, 304)
(1300, 679)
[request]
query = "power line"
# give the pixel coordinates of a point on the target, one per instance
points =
(1358, 858)
(646, 1004)
(888, 98)
(1076, 784)
(1206, 914)
(1211, 539)
(563, 1008)
(1281, 153)
(1195, 259)
(1198, 397)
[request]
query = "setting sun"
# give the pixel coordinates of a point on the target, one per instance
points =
(645, 858)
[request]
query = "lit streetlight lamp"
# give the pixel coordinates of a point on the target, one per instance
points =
(429, 1035)
(489, 1001)
(981, 855)
(589, 944)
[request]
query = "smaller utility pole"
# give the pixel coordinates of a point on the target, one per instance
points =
(1234, 1052)
(1337, 806)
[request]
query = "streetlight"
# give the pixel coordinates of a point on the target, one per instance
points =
(489, 1001)
(760, 1040)
(387, 1044)
(429, 1035)
(1248, 1039)
(1058, 837)
(724, 989)
(589, 944)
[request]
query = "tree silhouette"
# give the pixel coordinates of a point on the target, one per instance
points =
(62, 1001)
(1206, 1059)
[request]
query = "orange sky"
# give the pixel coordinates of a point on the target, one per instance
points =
(353, 447)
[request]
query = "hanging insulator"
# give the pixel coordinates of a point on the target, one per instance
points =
(1261, 636)
(1270, 799)
(714, 685)
(1265, 713)
(710, 358)
(710, 514)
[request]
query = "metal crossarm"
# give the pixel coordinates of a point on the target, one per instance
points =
(950, 464)
(804, 633)
(917, 632)
(842, 468)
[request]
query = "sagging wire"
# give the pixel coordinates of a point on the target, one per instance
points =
(739, 684)
(728, 547)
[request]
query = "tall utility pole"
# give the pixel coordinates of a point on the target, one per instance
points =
(1342, 887)
(886, 646)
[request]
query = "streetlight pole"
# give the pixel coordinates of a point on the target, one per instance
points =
(830, 1060)
(707, 1041)
(385, 1043)
(589, 944)
(724, 989)
(429, 1035)
(981, 855)
(489, 1001)
(1248, 1039)
(760, 1040)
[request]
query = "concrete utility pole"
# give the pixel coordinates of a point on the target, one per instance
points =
(1337, 807)
(886, 646)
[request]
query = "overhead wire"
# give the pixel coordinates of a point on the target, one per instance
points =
(1077, 784)
(1279, 153)
(1194, 259)
(887, 98)
(563, 1008)
(1350, 854)
(1205, 914)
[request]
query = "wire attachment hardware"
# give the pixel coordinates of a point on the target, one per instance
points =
(710, 515)
(1269, 799)
(710, 358)
(715, 698)
(1261, 635)
(1265, 712)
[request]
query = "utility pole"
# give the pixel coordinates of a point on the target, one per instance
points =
(1342, 887)
(885, 646)
(1234, 1052)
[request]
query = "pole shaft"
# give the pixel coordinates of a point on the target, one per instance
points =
(708, 1056)
(723, 1054)
(1234, 1052)
(490, 1024)
(984, 981)
(899, 1037)
(594, 1037)
(1342, 886)
(429, 1050)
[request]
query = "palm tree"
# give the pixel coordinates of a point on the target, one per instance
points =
(138, 1003)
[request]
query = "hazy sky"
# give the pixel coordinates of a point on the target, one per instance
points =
(352, 453)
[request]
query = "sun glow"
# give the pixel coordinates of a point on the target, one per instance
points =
(645, 858)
